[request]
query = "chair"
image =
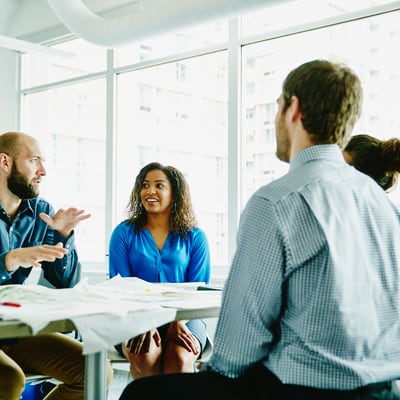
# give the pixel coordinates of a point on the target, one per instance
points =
(205, 355)
(37, 386)
(44, 282)
(115, 357)
(122, 373)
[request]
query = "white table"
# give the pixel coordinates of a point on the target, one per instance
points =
(95, 362)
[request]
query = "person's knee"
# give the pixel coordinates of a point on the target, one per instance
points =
(178, 359)
(12, 383)
(145, 365)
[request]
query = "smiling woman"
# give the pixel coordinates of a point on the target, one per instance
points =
(161, 242)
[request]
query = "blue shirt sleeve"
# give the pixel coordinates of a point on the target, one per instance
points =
(199, 265)
(118, 252)
(28, 230)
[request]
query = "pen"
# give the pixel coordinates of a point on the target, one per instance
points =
(10, 304)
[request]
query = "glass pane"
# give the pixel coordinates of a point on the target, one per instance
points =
(165, 45)
(176, 114)
(38, 69)
(359, 44)
(70, 124)
(297, 12)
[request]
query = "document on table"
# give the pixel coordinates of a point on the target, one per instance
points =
(105, 314)
(101, 320)
(171, 295)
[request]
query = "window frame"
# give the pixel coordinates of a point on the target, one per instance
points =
(234, 47)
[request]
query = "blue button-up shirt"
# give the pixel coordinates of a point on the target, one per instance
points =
(314, 287)
(28, 229)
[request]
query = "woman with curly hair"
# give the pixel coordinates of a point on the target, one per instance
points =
(161, 242)
(380, 159)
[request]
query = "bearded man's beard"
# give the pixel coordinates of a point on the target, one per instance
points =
(18, 184)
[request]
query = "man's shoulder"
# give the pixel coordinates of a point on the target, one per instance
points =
(303, 178)
(284, 186)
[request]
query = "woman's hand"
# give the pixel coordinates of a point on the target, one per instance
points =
(180, 334)
(141, 344)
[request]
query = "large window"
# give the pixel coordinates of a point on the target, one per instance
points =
(81, 59)
(70, 123)
(357, 43)
(196, 101)
(176, 113)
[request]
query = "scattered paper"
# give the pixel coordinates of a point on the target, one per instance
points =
(107, 313)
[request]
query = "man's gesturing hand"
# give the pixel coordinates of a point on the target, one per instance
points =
(33, 256)
(65, 221)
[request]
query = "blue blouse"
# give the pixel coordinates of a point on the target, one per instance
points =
(180, 260)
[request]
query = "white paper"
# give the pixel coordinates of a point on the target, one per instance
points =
(103, 330)
(104, 314)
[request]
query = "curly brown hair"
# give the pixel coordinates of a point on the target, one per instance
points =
(182, 219)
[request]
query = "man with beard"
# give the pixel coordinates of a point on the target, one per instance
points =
(310, 309)
(33, 235)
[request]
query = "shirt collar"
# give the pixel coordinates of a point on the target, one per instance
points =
(315, 152)
(26, 206)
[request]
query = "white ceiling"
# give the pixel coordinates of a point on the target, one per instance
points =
(22, 18)
(34, 21)
(148, 19)
(26, 22)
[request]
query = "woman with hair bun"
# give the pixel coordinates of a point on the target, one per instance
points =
(380, 159)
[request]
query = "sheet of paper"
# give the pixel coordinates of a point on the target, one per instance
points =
(107, 313)
(101, 331)
(96, 316)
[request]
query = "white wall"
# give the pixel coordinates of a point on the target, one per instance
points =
(8, 91)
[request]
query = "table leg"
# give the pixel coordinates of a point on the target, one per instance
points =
(95, 376)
